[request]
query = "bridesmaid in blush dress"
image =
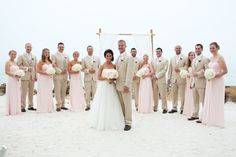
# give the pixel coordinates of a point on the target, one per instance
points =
(45, 84)
(77, 99)
(188, 102)
(13, 101)
(145, 97)
(213, 108)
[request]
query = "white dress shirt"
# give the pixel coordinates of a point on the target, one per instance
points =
(177, 58)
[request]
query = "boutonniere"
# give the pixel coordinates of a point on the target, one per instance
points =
(181, 58)
(159, 60)
(136, 62)
(94, 61)
(199, 60)
(66, 59)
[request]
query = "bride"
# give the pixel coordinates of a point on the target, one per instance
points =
(106, 112)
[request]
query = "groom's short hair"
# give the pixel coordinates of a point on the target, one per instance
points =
(133, 49)
(122, 41)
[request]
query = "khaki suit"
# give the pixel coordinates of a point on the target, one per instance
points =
(60, 80)
(177, 83)
(27, 81)
(90, 80)
(125, 68)
(135, 83)
(199, 83)
(160, 66)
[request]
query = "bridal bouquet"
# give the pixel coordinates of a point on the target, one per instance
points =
(20, 73)
(76, 67)
(142, 71)
(209, 74)
(50, 70)
(183, 73)
(112, 74)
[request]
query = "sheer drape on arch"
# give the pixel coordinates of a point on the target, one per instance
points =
(142, 42)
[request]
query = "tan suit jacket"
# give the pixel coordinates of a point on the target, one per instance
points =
(61, 61)
(87, 64)
(182, 64)
(125, 68)
(160, 67)
(199, 79)
(25, 63)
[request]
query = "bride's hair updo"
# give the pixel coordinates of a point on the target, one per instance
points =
(110, 52)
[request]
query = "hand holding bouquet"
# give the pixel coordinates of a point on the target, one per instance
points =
(76, 67)
(210, 74)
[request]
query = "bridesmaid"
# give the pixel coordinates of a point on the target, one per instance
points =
(188, 102)
(13, 102)
(145, 98)
(45, 84)
(213, 108)
(77, 99)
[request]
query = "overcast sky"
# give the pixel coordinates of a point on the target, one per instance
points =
(75, 22)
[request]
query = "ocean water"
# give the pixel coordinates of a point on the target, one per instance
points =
(230, 78)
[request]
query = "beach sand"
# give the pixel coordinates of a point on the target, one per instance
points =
(66, 134)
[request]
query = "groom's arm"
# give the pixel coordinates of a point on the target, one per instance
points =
(129, 73)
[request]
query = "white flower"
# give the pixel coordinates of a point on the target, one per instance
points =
(142, 71)
(209, 74)
(183, 73)
(112, 74)
(50, 70)
(76, 67)
(20, 73)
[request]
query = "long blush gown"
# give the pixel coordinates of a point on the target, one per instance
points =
(213, 108)
(188, 102)
(13, 95)
(145, 96)
(77, 99)
(44, 96)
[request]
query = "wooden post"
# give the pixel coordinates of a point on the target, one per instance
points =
(151, 32)
(99, 32)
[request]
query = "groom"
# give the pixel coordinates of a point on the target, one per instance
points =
(124, 66)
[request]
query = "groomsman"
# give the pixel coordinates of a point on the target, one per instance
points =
(28, 63)
(90, 65)
(178, 62)
(160, 66)
(200, 63)
(60, 60)
(135, 84)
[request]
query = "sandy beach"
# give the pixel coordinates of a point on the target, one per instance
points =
(67, 134)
